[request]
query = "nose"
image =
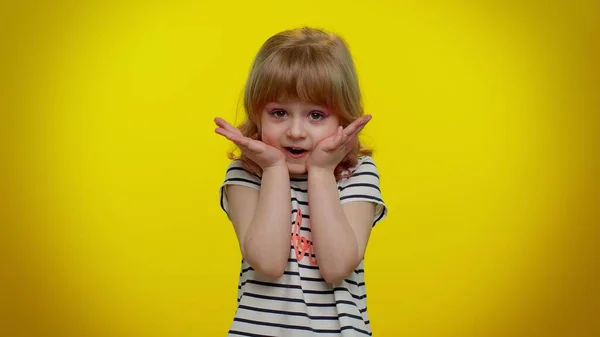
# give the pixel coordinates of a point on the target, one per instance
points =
(296, 129)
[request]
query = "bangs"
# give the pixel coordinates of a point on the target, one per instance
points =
(298, 73)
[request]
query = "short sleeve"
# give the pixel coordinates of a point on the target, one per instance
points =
(363, 185)
(236, 175)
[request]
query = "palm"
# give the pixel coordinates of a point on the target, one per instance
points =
(262, 154)
(328, 153)
(331, 150)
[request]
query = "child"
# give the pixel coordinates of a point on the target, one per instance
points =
(302, 274)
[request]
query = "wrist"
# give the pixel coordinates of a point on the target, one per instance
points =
(320, 172)
(277, 167)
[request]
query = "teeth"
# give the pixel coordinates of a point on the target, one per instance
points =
(296, 150)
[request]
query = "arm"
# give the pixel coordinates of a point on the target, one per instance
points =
(261, 219)
(339, 232)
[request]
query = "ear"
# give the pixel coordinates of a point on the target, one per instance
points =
(258, 133)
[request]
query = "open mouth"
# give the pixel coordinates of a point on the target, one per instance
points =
(295, 151)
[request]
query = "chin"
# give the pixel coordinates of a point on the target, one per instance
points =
(296, 168)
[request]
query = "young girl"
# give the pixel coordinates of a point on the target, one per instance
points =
(302, 266)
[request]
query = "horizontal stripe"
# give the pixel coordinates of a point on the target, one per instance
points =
(304, 216)
(248, 334)
(368, 162)
(299, 327)
(373, 186)
(300, 300)
(366, 173)
(356, 271)
(299, 314)
(298, 189)
(294, 261)
(299, 287)
(358, 284)
(381, 215)
(355, 329)
(228, 180)
(301, 202)
(340, 188)
(306, 229)
(286, 326)
(239, 167)
(360, 196)
(292, 300)
(307, 279)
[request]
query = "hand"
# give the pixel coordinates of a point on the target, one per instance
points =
(331, 150)
(263, 155)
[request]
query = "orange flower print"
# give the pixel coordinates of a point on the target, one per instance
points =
(302, 246)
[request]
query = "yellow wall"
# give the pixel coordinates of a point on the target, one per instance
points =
(485, 131)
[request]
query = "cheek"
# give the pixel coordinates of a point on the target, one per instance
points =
(269, 137)
(329, 131)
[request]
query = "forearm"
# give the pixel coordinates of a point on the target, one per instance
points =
(267, 240)
(334, 240)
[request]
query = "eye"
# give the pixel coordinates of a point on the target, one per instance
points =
(278, 113)
(316, 115)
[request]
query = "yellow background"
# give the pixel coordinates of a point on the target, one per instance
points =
(485, 130)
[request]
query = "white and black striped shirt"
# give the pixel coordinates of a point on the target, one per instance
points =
(301, 303)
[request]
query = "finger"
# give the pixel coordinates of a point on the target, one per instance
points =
(329, 143)
(240, 143)
(238, 140)
(361, 122)
(352, 129)
(225, 125)
(356, 132)
(229, 134)
(226, 133)
(352, 139)
(357, 124)
(338, 139)
(223, 132)
(350, 143)
(247, 144)
(256, 147)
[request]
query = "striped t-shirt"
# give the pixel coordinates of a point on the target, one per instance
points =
(300, 303)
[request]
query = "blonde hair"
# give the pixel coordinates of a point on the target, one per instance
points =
(311, 65)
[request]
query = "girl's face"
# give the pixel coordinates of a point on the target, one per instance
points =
(296, 128)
